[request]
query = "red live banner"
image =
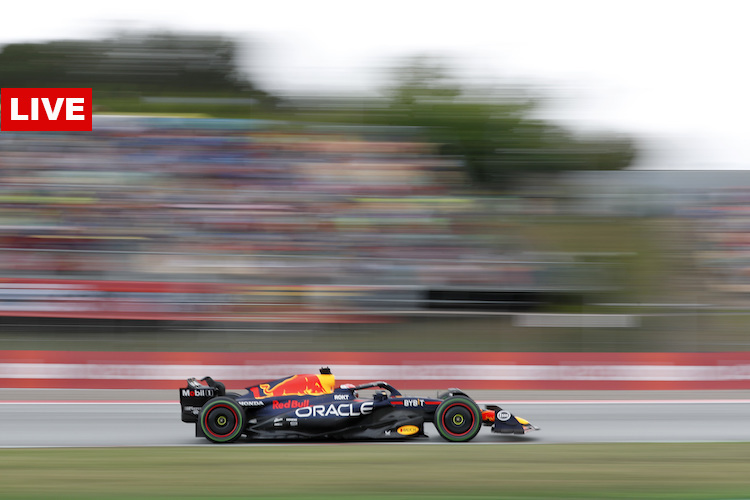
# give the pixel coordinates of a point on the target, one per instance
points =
(45, 110)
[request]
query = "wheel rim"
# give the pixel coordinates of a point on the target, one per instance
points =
(221, 421)
(458, 419)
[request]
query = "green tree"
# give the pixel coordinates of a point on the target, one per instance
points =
(157, 63)
(492, 131)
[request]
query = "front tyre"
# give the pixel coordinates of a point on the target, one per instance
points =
(222, 420)
(458, 419)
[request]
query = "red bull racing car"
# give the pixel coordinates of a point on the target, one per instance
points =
(312, 407)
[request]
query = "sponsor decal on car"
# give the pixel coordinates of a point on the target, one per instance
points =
(197, 392)
(280, 405)
(341, 410)
(251, 402)
(407, 430)
(302, 385)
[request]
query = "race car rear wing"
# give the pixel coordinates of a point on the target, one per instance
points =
(195, 395)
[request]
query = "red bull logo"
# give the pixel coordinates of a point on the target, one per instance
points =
(278, 405)
(296, 385)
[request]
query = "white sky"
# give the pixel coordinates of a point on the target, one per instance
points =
(674, 73)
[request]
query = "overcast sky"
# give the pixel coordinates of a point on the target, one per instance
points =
(674, 73)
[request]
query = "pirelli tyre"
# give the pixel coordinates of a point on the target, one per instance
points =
(222, 420)
(458, 419)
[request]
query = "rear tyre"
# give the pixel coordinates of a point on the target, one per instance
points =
(458, 419)
(222, 420)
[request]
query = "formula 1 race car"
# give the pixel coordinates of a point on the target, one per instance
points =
(311, 407)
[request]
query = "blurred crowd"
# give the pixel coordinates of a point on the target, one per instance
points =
(252, 202)
(721, 240)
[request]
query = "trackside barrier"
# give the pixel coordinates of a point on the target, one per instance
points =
(408, 370)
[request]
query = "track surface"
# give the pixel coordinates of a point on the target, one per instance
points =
(154, 423)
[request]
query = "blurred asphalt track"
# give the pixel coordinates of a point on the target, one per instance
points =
(96, 418)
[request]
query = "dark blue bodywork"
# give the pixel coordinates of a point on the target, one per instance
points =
(222, 416)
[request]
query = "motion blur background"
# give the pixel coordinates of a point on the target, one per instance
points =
(420, 203)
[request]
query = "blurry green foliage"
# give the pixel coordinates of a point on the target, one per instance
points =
(157, 64)
(493, 131)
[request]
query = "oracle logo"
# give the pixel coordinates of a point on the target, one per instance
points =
(45, 110)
